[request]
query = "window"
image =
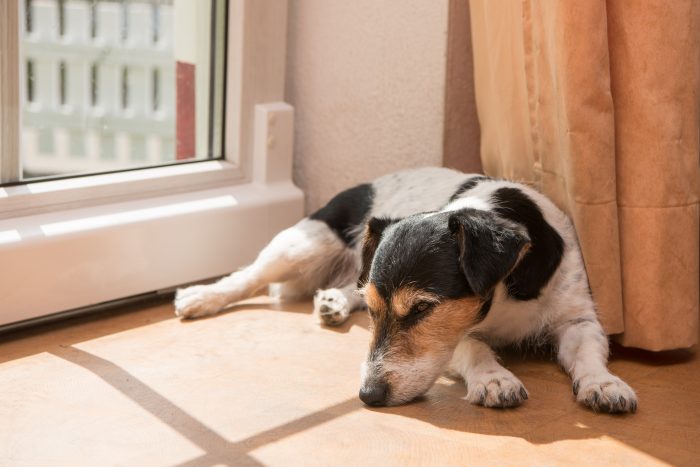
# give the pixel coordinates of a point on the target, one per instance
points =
(114, 85)
(143, 145)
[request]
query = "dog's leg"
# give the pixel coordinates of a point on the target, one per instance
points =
(308, 253)
(488, 383)
(583, 353)
(333, 306)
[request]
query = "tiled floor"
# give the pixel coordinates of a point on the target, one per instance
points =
(266, 385)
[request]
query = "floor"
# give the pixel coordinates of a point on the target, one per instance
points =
(265, 385)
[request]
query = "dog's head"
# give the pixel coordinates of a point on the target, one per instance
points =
(425, 279)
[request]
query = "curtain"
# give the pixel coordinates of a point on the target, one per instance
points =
(595, 103)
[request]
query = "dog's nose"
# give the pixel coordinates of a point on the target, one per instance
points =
(375, 395)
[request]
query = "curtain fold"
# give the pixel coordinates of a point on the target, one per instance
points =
(596, 104)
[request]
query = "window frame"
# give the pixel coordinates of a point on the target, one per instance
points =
(251, 77)
(10, 112)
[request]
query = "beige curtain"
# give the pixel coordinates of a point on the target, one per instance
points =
(596, 104)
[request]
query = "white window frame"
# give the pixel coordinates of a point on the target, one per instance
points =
(9, 86)
(144, 230)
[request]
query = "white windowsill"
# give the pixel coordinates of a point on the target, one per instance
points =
(95, 254)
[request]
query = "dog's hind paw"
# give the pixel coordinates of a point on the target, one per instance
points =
(196, 301)
(499, 389)
(605, 393)
(331, 306)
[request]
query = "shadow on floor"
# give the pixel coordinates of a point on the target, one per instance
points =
(217, 449)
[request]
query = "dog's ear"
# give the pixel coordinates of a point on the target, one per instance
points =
(489, 248)
(373, 234)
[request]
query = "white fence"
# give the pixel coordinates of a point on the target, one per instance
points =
(99, 85)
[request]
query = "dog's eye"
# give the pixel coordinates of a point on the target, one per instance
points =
(421, 307)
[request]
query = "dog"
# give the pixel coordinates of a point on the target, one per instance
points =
(449, 266)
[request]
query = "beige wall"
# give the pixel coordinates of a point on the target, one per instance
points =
(367, 80)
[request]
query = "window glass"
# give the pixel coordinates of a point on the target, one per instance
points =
(119, 84)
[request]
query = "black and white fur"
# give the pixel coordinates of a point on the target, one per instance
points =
(549, 299)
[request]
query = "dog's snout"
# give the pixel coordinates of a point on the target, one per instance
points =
(375, 395)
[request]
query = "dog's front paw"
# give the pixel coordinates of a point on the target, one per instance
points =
(331, 306)
(499, 388)
(197, 301)
(605, 393)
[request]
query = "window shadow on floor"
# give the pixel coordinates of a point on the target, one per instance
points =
(217, 449)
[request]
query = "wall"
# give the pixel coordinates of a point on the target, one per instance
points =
(367, 80)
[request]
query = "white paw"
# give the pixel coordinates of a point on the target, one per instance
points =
(604, 392)
(197, 301)
(331, 306)
(495, 388)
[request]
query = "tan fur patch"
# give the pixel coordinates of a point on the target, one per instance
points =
(406, 297)
(446, 324)
(370, 243)
(438, 332)
(374, 300)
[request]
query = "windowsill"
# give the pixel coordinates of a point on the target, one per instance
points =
(99, 253)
